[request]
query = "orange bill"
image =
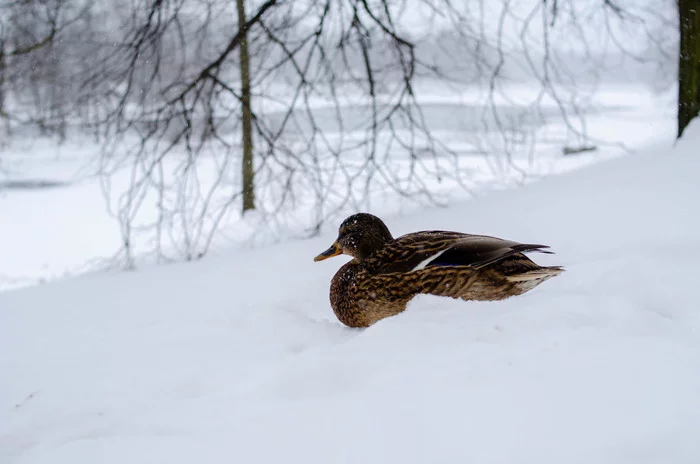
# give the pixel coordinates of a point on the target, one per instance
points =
(334, 250)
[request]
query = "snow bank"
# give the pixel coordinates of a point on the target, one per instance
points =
(239, 358)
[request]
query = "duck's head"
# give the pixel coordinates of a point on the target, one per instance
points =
(359, 236)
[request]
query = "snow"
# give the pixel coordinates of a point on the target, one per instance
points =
(238, 357)
(52, 232)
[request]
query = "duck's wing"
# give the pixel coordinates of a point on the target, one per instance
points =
(421, 250)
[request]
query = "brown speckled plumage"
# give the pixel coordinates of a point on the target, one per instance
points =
(386, 273)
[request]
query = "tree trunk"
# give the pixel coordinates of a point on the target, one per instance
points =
(247, 160)
(688, 63)
(2, 79)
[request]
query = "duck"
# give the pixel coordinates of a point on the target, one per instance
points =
(385, 273)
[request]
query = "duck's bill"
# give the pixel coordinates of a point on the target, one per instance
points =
(334, 250)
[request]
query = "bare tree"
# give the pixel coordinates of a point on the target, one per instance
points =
(305, 110)
(335, 105)
(25, 28)
(246, 114)
(176, 121)
(688, 63)
(37, 61)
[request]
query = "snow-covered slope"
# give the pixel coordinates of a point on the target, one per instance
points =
(240, 359)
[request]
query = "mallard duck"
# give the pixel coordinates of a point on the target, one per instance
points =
(385, 273)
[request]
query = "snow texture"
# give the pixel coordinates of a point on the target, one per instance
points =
(239, 358)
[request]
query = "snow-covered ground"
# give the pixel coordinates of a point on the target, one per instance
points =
(238, 357)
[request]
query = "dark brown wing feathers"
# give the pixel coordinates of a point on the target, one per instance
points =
(444, 249)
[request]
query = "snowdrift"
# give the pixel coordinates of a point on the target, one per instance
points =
(240, 359)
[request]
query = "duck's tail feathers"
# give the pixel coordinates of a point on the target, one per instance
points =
(537, 274)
